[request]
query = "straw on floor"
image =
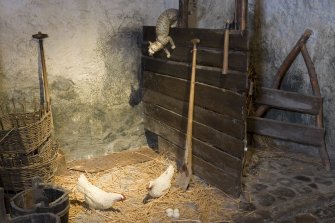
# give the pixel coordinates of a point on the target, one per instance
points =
(201, 202)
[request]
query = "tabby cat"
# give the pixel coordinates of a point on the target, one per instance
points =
(165, 20)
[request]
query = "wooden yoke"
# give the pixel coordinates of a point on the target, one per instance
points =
(289, 101)
(284, 67)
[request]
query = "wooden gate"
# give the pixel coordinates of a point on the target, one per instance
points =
(219, 128)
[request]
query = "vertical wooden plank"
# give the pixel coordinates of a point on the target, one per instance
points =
(241, 9)
(192, 17)
(244, 19)
(183, 13)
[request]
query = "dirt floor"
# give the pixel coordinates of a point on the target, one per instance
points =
(128, 173)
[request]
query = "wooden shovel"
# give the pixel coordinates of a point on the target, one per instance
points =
(185, 171)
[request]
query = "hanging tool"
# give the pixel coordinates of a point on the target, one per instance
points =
(46, 100)
(226, 48)
(185, 171)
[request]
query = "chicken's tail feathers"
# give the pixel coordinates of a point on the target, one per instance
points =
(83, 183)
(169, 171)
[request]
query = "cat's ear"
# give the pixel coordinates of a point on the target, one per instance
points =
(150, 43)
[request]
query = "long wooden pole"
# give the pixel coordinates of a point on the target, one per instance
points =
(191, 104)
(185, 172)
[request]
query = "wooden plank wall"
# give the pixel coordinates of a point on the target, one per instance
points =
(219, 123)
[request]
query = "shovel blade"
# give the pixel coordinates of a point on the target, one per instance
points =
(184, 177)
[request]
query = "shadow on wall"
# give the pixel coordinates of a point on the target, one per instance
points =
(136, 94)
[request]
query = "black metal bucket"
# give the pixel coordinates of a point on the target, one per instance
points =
(58, 203)
(33, 218)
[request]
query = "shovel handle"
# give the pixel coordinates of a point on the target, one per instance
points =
(188, 152)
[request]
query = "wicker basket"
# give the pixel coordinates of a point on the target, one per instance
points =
(40, 155)
(24, 132)
(20, 178)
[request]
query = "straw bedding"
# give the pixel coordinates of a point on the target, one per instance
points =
(200, 203)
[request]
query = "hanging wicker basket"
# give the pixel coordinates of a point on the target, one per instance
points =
(24, 132)
(41, 154)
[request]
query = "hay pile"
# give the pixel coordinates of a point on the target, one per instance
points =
(201, 203)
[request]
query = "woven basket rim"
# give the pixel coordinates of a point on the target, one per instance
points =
(44, 115)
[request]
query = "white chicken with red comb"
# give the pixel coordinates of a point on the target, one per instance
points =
(95, 197)
(161, 185)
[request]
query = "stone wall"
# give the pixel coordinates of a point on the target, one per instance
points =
(93, 60)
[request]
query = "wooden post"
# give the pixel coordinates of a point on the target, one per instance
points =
(241, 14)
(316, 90)
(183, 14)
(284, 67)
(192, 14)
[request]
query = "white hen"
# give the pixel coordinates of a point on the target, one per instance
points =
(95, 197)
(161, 185)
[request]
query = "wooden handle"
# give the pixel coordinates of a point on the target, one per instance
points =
(45, 78)
(188, 146)
(40, 36)
(225, 52)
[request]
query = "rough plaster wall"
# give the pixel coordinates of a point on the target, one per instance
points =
(93, 64)
(275, 27)
(93, 60)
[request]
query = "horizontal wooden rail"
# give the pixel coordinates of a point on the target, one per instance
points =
(234, 80)
(201, 149)
(289, 100)
(202, 132)
(223, 123)
(212, 98)
(207, 57)
(287, 131)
